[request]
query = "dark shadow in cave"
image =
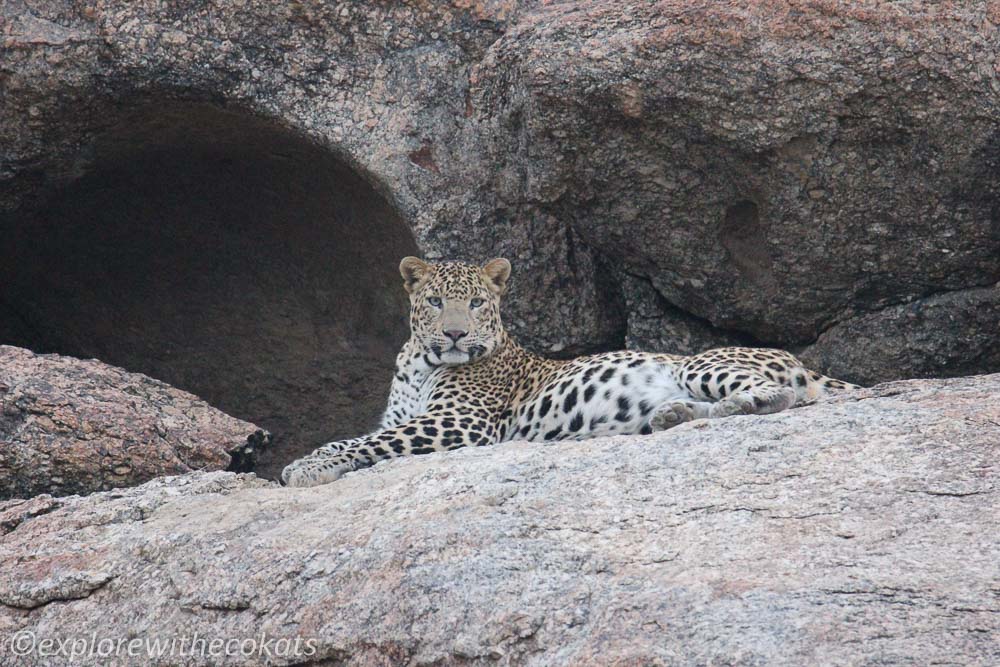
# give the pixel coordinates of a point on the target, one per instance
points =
(225, 255)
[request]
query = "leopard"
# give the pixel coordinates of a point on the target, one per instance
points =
(462, 381)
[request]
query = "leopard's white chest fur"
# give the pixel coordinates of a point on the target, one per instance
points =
(412, 385)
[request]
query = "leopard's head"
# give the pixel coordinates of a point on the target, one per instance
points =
(455, 308)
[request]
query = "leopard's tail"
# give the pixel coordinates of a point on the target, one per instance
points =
(810, 384)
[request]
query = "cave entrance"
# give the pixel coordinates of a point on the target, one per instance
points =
(225, 255)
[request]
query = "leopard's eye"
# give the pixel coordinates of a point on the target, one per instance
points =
(475, 303)
(434, 301)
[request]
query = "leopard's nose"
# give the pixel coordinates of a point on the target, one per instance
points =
(456, 334)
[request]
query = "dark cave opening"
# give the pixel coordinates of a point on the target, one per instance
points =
(223, 254)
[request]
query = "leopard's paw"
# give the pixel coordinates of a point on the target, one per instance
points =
(314, 471)
(672, 414)
(737, 404)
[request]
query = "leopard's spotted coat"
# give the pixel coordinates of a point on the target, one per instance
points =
(461, 381)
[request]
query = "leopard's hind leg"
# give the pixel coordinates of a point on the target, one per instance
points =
(735, 381)
(762, 397)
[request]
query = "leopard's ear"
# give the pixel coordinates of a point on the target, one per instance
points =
(414, 271)
(497, 271)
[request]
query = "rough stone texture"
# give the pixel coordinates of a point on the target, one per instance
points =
(950, 334)
(655, 324)
(774, 171)
(857, 531)
(70, 426)
(772, 168)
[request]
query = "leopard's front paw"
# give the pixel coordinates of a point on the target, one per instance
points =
(668, 416)
(315, 471)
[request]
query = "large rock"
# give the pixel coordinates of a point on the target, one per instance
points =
(772, 168)
(669, 175)
(950, 334)
(857, 531)
(73, 426)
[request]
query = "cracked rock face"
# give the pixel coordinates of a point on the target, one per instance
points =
(670, 176)
(948, 334)
(857, 531)
(72, 426)
(774, 171)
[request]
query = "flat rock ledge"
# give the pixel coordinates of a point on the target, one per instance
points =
(76, 426)
(861, 530)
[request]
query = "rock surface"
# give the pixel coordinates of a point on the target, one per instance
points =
(69, 426)
(857, 531)
(669, 175)
(774, 169)
(950, 334)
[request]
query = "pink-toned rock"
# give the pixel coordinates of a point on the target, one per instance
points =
(77, 426)
(858, 531)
